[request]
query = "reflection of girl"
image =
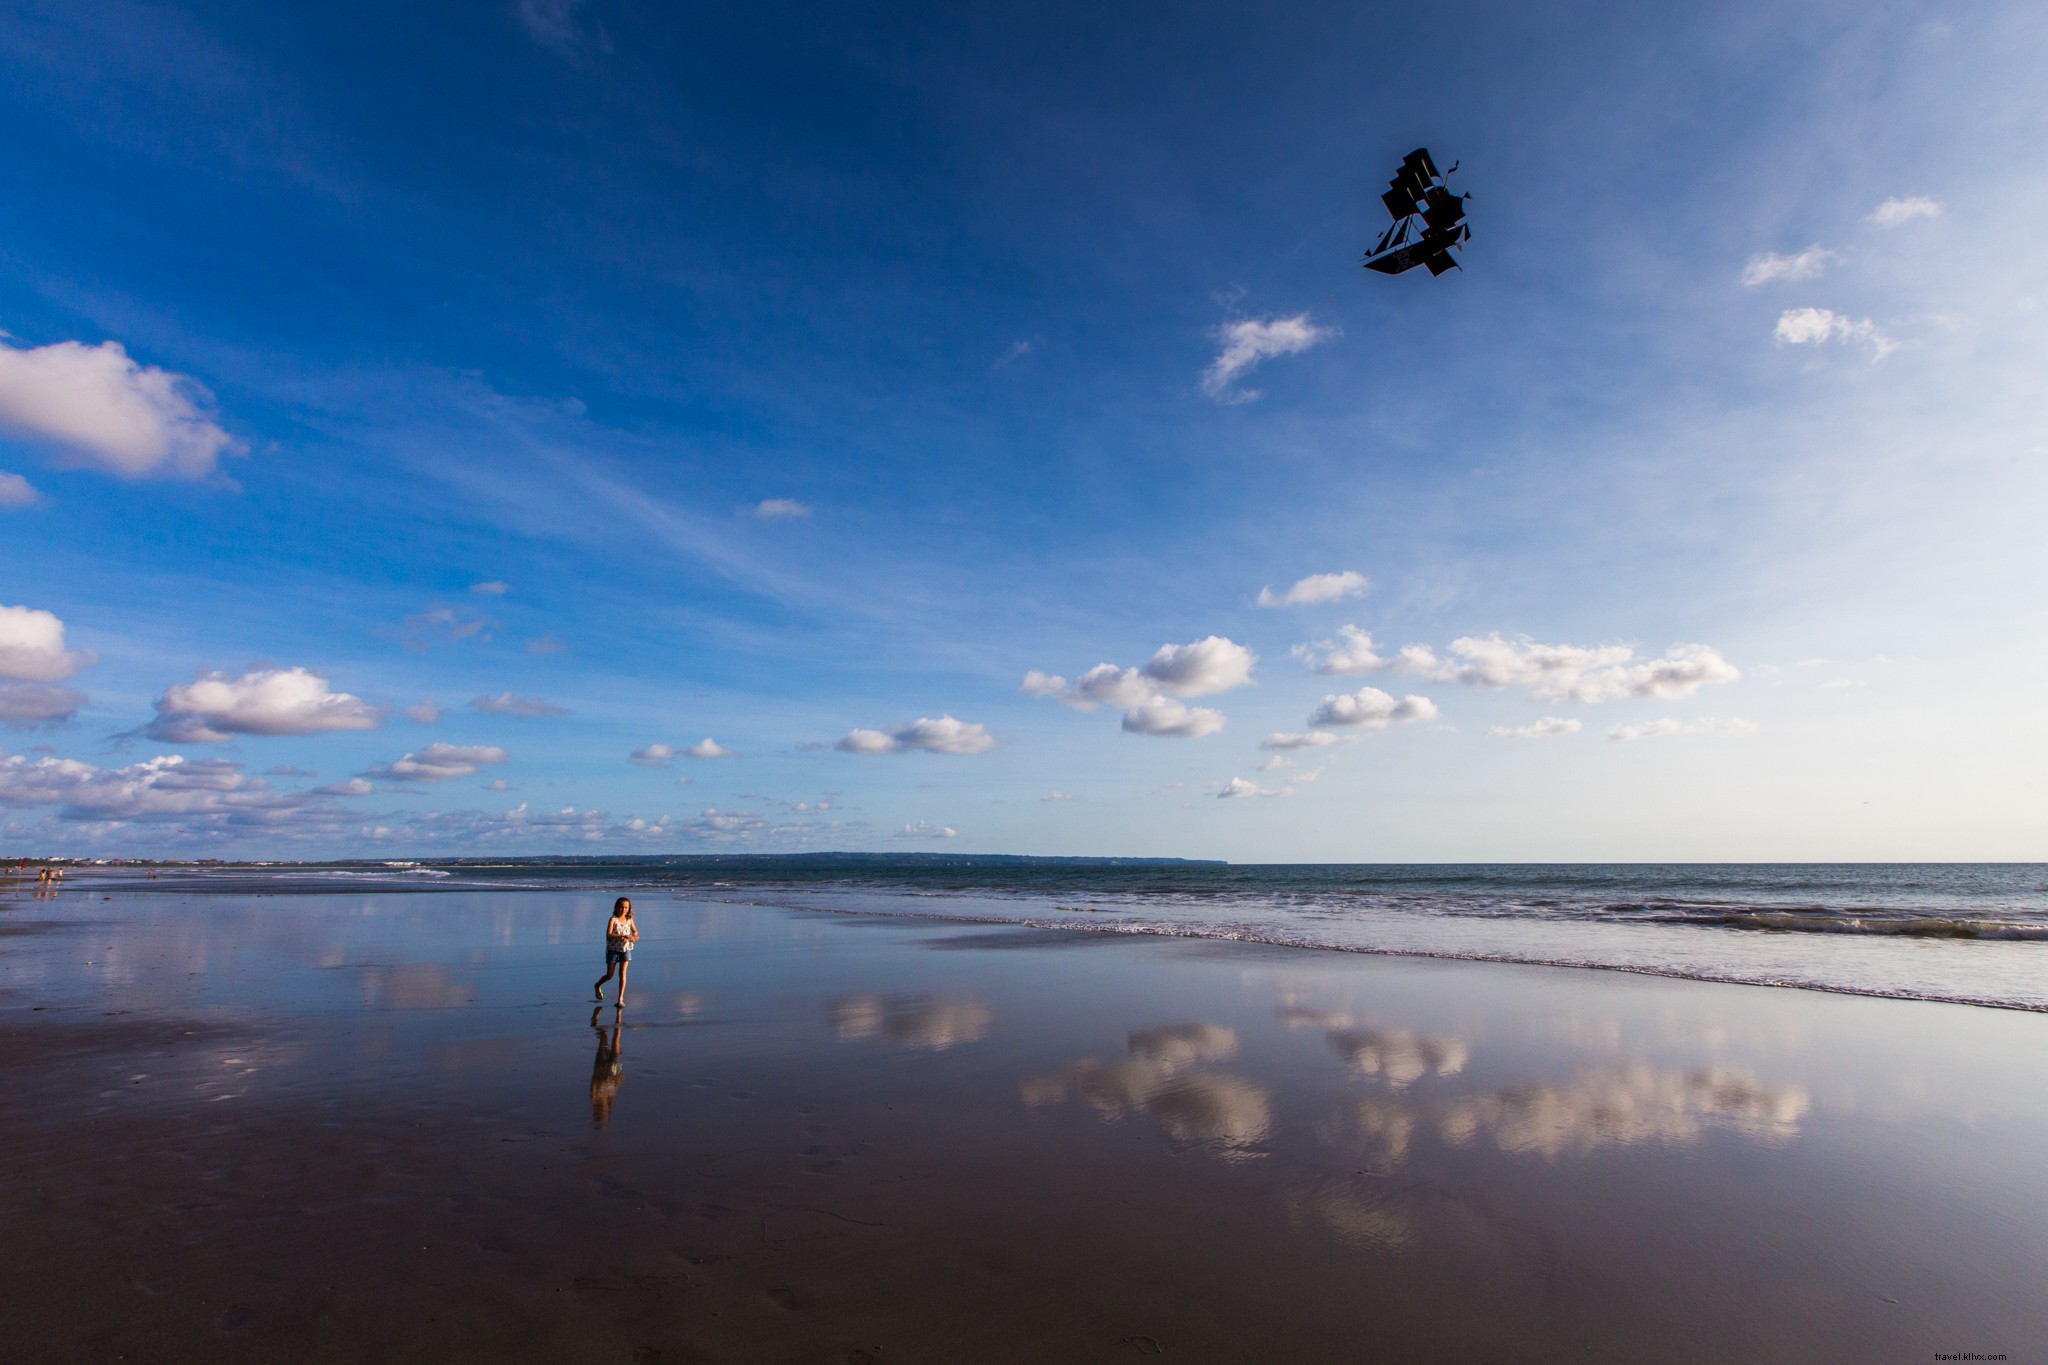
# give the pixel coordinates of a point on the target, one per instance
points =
(605, 1073)
(620, 934)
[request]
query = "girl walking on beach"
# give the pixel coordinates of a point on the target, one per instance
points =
(620, 934)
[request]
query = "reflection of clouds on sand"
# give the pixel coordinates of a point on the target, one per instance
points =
(1301, 1016)
(934, 1022)
(1624, 1106)
(1614, 1106)
(414, 986)
(1162, 1078)
(1402, 1057)
(1356, 1211)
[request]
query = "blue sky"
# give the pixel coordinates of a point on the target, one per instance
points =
(548, 381)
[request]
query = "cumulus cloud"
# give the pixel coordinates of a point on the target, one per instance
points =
(15, 491)
(438, 763)
(1171, 718)
(490, 588)
(101, 410)
(1579, 673)
(1372, 708)
(1208, 665)
(779, 509)
(1249, 341)
(1056, 796)
(214, 708)
(1316, 588)
(423, 713)
(1314, 739)
(1893, 212)
(1147, 694)
(1801, 265)
(1818, 326)
(26, 705)
(1661, 729)
(32, 647)
(1542, 729)
(944, 735)
(1352, 652)
(201, 793)
(1241, 787)
(708, 747)
(925, 829)
(652, 756)
(505, 704)
(1163, 1077)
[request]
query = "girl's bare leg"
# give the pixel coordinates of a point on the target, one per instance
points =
(622, 982)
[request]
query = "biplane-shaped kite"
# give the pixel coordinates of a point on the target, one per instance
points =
(1428, 219)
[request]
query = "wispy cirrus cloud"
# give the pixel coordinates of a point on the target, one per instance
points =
(1545, 728)
(1670, 728)
(1317, 588)
(507, 704)
(1769, 266)
(1249, 342)
(1893, 212)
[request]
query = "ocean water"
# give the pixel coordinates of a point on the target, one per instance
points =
(1970, 933)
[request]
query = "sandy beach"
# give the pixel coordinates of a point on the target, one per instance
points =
(391, 1127)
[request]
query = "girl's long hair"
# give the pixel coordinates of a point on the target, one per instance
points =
(623, 904)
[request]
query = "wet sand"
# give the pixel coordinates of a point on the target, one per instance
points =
(386, 1127)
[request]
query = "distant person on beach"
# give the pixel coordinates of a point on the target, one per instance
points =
(620, 934)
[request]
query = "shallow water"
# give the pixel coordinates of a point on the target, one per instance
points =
(391, 1126)
(1959, 932)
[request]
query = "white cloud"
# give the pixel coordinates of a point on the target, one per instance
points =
(103, 411)
(438, 763)
(32, 647)
(779, 509)
(1660, 729)
(15, 491)
(653, 756)
(1250, 341)
(27, 704)
(505, 704)
(1818, 326)
(925, 829)
(1240, 787)
(1370, 707)
(201, 793)
(1801, 265)
(214, 707)
(545, 644)
(497, 784)
(1570, 672)
(942, 736)
(1314, 739)
(1542, 729)
(1167, 717)
(1317, 587)
(1893, 212)
(1352, 653)
(423, 713)
(1056, 796)
(490, 588)
(355, 786)
(708, 748)
(1209, 665)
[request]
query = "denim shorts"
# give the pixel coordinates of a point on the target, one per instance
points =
(617, 957)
